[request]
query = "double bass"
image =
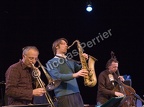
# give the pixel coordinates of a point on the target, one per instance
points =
(129, 93)
(129, 99)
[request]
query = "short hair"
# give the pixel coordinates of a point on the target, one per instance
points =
(109, 62)
(27, 48)
(57, 43)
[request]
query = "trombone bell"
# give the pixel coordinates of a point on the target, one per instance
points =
(52, 85)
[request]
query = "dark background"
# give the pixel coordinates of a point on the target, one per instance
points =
(40, 22)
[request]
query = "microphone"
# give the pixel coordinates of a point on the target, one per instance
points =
(111, 78)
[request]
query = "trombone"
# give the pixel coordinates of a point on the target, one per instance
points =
(41, 84)
(52, 84)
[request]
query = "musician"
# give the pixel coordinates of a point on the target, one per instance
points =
(19, 79)
(107, 82)
(67, 93)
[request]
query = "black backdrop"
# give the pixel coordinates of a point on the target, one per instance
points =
(40, 22)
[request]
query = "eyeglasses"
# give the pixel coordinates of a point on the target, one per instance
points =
(32, 58)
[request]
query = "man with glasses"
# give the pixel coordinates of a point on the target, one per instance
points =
(19, 79)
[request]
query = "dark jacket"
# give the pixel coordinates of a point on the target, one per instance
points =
(105, 87)
(18, 84)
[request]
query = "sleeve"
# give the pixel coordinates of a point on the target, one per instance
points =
(77, 66)
(104, 86)
(12, 86)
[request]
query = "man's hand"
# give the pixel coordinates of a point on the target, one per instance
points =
(121, 78)
(85, 55)
(118, 94)
(81, 73)
(39, 91)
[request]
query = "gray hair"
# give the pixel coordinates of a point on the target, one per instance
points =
(27, 48)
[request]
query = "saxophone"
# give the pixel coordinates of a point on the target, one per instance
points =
(91, 79)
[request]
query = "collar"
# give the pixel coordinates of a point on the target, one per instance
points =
(23, 65)
(60, 55)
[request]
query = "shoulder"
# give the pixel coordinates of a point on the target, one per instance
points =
(14, 67)
(53, 60)
(103, 73)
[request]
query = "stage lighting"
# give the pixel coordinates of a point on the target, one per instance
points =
(89, 7)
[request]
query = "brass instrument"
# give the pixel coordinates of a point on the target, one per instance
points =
(91, 79)
(52, 84)
(37, 76)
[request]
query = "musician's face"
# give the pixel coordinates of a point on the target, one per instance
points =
(113, 67)
(30, 57)
(62, 48)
